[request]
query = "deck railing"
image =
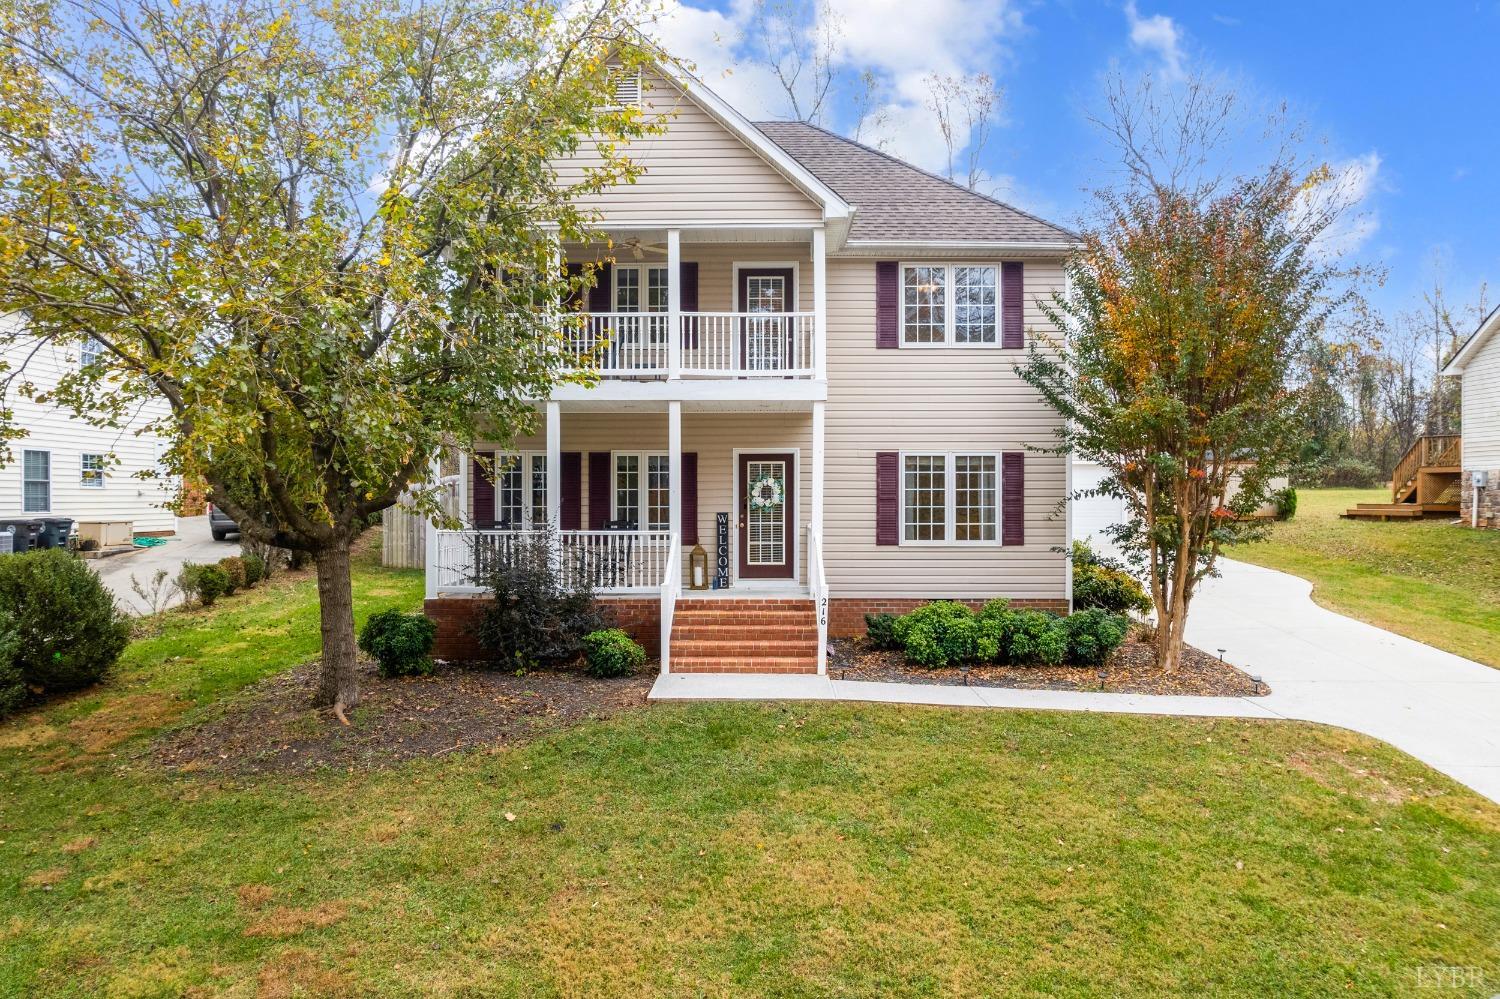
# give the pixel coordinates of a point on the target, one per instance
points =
(638, 345)
(1425, 451)
(611, 561)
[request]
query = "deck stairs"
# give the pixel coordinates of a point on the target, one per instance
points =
(1424, 484)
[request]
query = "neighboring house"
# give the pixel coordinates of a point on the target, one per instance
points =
(66, 467)
(1477, 365)
(815, 342)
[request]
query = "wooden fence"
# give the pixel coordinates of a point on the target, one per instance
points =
(403, 543)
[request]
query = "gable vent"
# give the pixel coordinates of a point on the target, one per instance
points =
(627, 89)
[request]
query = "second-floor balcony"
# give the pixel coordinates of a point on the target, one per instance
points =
(644, 346)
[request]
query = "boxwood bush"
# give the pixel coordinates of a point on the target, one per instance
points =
(880, 631)
(68, 630)
(400, 643)
(212, 582)
(255, 568)
(234, 573)
(611, 652)
(942, 633)
(1102, 582)
(1034, 638)
(1093, 634)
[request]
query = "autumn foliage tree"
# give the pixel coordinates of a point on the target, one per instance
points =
(1191, 302)
(325, 232)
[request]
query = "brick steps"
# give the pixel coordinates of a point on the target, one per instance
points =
(776, 635)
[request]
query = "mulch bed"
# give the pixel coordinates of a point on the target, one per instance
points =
(270, 728)
(1131, 670)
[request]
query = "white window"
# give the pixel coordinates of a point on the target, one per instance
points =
(521, 490)
(91, 471)
(89, 351)
(643, 483)
(36, 481)
(950, 304)
(640, 288)
(950, 498)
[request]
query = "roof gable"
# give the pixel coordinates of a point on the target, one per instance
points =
(1484, 335)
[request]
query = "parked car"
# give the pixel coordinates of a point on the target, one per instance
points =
(220, 524)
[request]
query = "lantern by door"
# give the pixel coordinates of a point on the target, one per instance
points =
(698, 569)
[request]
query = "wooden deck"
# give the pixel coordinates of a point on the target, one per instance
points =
(1425, 483)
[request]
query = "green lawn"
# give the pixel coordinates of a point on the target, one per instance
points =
(1428, 580)
(719, 849)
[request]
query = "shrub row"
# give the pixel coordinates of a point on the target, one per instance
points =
(947, 633)
(207, 582)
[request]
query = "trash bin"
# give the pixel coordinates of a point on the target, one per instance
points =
(55, 532)
(26, 530)
(7, 541)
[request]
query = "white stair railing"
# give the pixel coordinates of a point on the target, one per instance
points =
(817, 580)
(671, 587)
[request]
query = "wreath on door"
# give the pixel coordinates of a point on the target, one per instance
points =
(766, 493)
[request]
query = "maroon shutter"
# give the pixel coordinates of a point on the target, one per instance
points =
(887, 498)
(575, 295)
(1013, 498)
(601, 295)
(887, 295)
(483, 512)
(599, 484)
(570, 505)
(687, 281)
(690, 497)
(1012, 306)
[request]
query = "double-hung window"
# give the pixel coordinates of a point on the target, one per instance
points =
(950, 305)
(643, 491)
(36, 481)
(950, 498)
(89, 352)
(91, 471)
(521, 490)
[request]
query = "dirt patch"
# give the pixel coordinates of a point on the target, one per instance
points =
(1131, 670)
(288, 921)
(269, 727)
(79, 845)
(299, 973)
(47, 878)
(254, 897)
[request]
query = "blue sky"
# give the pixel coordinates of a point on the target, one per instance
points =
(1404, 96)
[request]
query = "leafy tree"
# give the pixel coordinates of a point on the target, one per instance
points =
(325, 233)
(1192, 299)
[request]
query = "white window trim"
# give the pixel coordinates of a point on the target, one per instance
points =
(949, 497)
(83, 470)
(642, 488)
(83, 360)
(51, 483)
(948, 343)
(502, 462)
(644, 268)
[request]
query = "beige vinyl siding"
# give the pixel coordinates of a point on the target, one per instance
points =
(53, 429)
(1481, 409)
(949, 399)
(714, 436)
(695, 172)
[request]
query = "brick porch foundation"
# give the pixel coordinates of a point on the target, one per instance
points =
(1489, 499)
(846, 615)
(455, 618)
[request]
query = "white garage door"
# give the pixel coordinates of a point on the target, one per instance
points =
(1092, 514)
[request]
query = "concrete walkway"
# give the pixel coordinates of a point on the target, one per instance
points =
(1321, 667)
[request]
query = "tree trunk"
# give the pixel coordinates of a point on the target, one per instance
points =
(338, 687)
(1169, 637)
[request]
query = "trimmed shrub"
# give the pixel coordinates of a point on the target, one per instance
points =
(255, 568)
(234, 571)
(12, 681)
(994, 618)
(1286, 503)
(1034, 638)
(1093, 634)
(1102, 582)
(187, 579)
(531, 618)
(400, 643)
(942, 633)
(68, 628)
(212, 583)
(880, 630)
(611, 653)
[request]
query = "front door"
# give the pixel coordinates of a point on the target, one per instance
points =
(765, 513)
(766, 340)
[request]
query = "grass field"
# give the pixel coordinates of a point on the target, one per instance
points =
(715, 849)
(1427, 580)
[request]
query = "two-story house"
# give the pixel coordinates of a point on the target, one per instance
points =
(806, 353)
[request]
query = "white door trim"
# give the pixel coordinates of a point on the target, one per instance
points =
(736, 497)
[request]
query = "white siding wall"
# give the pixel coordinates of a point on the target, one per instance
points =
(1481, 409)
(695, 172)
(49, 428)
(947, 399)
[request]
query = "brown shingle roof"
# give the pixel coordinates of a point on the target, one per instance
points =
(896, 201)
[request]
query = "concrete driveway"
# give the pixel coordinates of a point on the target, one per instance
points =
(192, 543)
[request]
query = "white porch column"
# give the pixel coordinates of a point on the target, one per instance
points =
(674, 469)
(430, 536)
(817, 467)
(554, 466)
(820, 305)
(464, 514)
(674, 303)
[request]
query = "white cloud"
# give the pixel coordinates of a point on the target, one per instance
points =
(1348, 193)
(1157, 34)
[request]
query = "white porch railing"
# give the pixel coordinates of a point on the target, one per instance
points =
(612, 561)
(671, 588)
(817, 584)
(713, 344)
